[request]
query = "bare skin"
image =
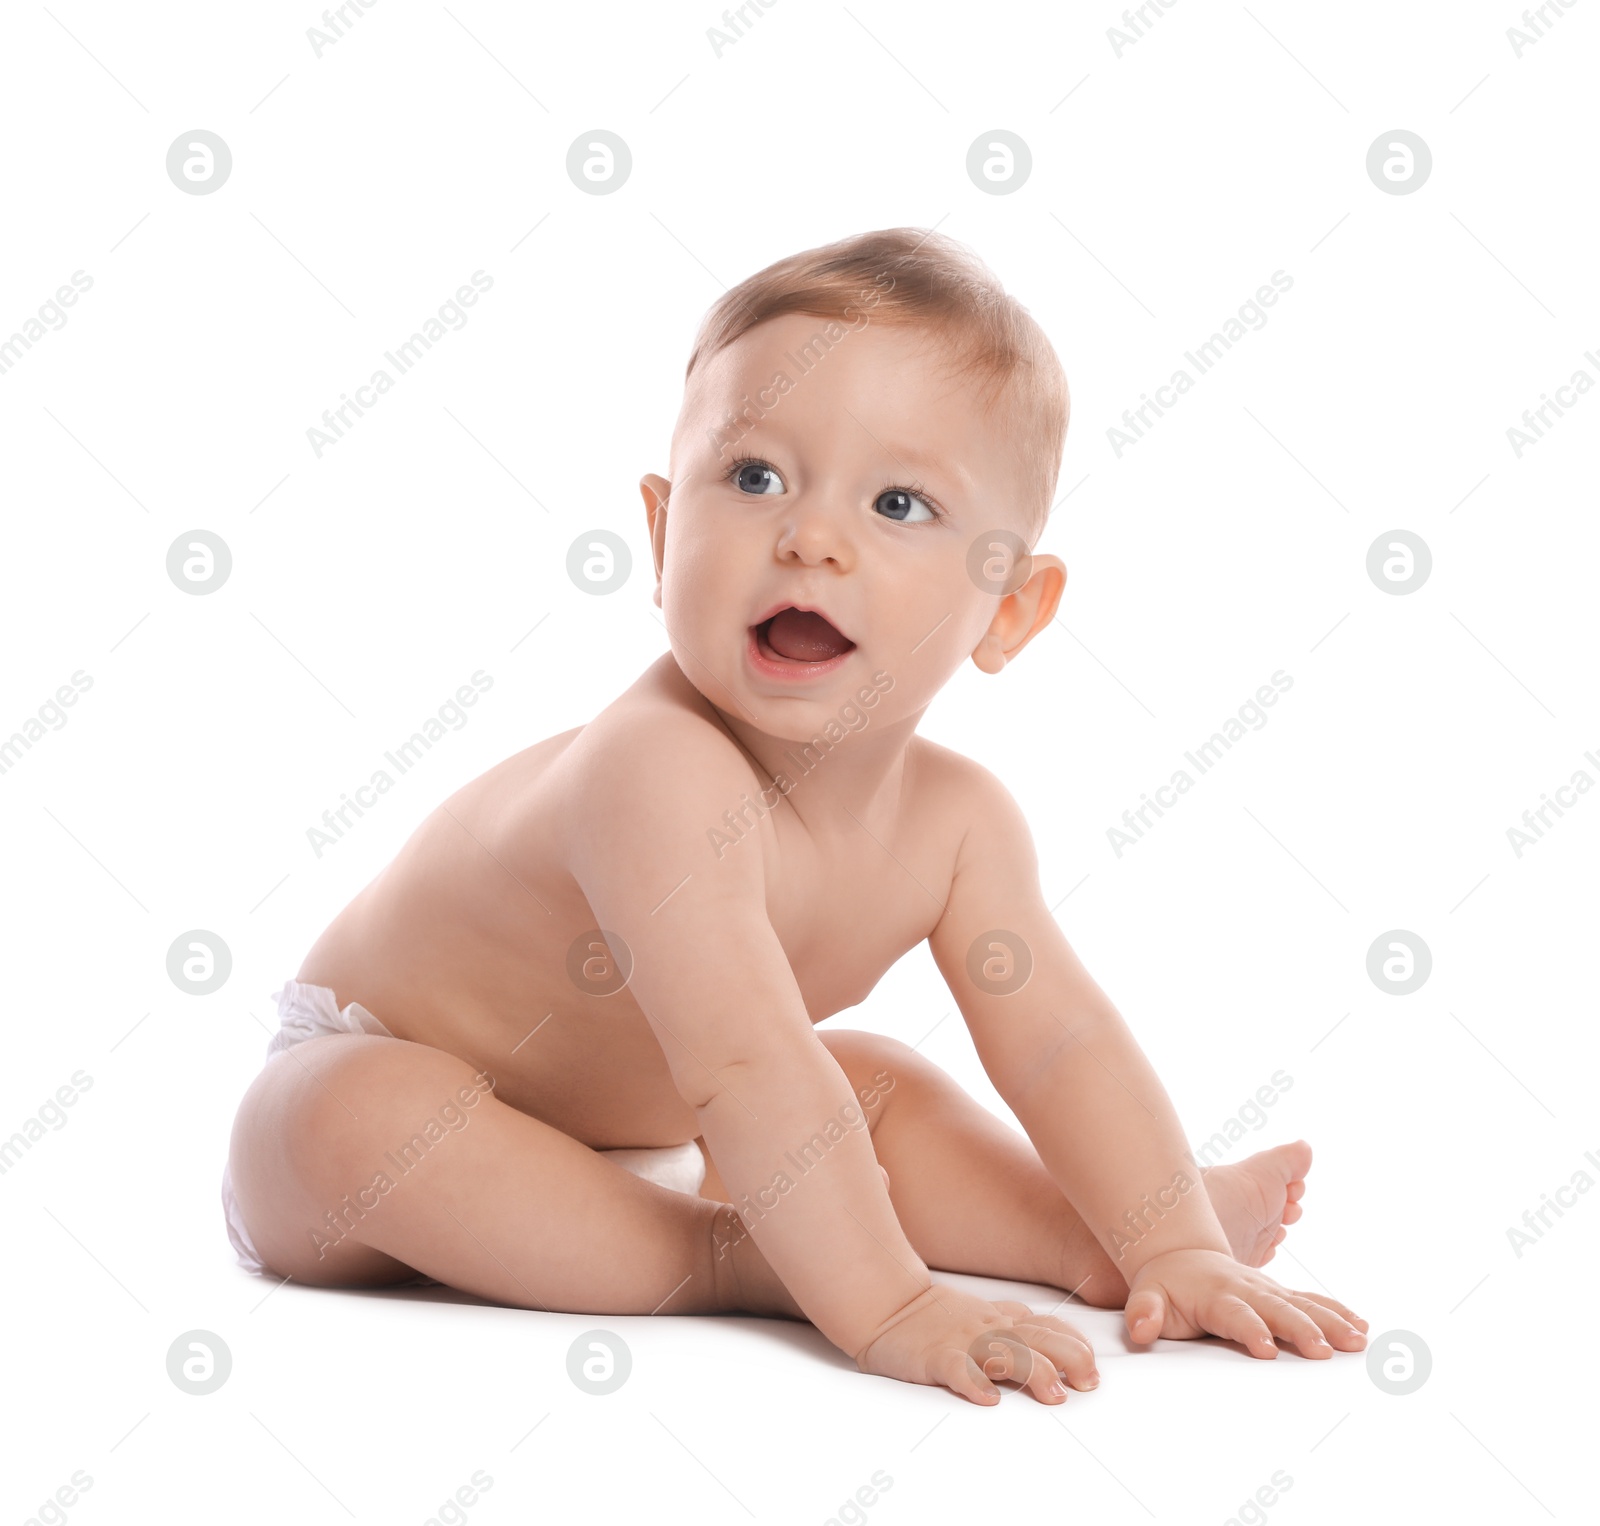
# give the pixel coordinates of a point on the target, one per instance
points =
(739, 914)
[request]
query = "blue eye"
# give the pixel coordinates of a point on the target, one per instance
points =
(897, 503)
(756, 478)
(748, 475)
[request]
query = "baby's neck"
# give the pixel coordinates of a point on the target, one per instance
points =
(839, 768)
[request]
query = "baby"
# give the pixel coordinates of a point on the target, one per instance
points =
(563, 1052)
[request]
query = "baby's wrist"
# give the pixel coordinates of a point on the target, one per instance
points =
(1134, 1265)
(904, 1312)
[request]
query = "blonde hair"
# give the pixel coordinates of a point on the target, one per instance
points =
(934, 282)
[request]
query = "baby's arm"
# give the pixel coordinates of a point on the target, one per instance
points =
(1061, 1056)
(714, 984)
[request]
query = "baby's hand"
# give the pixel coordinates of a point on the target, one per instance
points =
(1185, 1293)
(944, 1336)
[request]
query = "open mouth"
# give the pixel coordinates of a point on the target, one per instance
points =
(800, 638)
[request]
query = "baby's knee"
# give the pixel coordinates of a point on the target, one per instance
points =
(877, 1064)
(873, 1062)
(354, 1100)
(323, 1134)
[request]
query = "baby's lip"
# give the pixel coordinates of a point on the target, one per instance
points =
(812, 609)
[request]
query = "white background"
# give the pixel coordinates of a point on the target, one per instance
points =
(1168, 183)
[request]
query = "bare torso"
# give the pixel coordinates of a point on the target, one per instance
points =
(462, 942)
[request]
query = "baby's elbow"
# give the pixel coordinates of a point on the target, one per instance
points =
(730, 1082)
(703, 1085)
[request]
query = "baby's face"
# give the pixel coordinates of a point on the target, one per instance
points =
(855, 489)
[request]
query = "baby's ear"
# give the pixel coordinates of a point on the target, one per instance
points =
(1022, 614)
(655, 491)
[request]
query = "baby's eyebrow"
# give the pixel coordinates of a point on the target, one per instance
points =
(909, 455)
(936, 470)
(940, 468)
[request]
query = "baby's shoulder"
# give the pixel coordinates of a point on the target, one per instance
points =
(968, 798)
(952, 779)
(657, 745)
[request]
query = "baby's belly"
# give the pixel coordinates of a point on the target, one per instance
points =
(598, 1076)
(589, 1067)
(610, 1095)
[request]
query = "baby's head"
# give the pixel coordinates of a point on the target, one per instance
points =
(868, 444)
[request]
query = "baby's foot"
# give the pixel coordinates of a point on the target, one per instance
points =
(1256, 1198)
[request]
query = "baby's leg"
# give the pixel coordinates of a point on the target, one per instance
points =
(502, 1206)
(973, 1196)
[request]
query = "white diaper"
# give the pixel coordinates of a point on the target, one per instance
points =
(309, 1011)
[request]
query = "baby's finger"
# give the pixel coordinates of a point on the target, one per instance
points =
(1146, 1314)
(1043, 1382)
(1009, 1356)
(962, 1374)
(1293, 1324)
(1061, 1326)
(1066, 1348)
(1234, 1320)
(1339, 1331)
(1330, 1303)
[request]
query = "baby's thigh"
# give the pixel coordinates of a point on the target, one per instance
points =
(315, 1127)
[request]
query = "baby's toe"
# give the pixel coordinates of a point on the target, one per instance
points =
(1295, 1160)
(1292, 1212)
